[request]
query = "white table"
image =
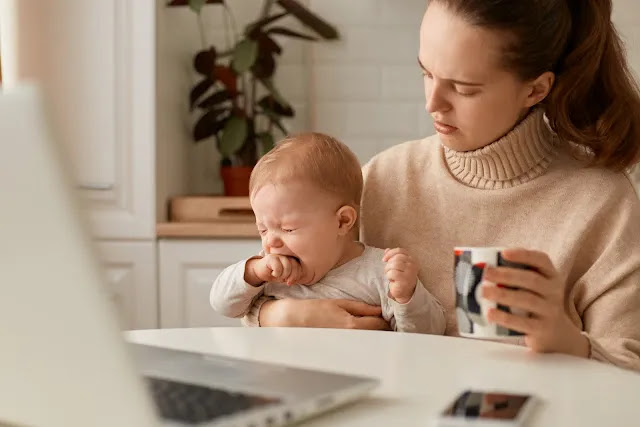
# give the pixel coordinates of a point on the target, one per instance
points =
(421, 373)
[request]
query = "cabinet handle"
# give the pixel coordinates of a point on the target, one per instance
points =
(96, 187)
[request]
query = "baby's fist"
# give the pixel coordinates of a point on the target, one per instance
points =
(402, 273)
(278, 268)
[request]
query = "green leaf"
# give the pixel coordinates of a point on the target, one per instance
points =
(209, 124)
(196, 5)
(233, 135)
(267, 142)
(244, 55)
(268, 44)
(216, 98)
(264, 66)
(269, 102)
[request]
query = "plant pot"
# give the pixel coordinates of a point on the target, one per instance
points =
(236, 180)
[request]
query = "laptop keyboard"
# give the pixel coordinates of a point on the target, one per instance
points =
(195, 404)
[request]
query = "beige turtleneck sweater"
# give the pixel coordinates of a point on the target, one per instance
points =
(523, 190)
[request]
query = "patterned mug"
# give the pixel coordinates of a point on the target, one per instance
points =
(471, 307)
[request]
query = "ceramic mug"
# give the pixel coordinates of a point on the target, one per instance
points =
(471, 307)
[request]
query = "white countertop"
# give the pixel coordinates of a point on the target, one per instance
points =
(421, 374)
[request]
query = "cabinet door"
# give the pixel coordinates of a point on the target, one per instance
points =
(95, 63)
(187, 271)
(130, 270)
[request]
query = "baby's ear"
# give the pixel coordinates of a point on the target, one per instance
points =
(347, 217)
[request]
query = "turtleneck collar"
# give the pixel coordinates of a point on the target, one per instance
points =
(520, 156)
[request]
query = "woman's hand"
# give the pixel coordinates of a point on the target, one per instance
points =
(322, 313)
(541, 293)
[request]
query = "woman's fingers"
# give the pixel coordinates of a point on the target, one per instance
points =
(525, 279)
(525, 325)
(536, 259)
(514, 298)
(359, 308)
(371, 322)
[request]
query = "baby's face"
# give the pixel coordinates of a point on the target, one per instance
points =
(299, 220)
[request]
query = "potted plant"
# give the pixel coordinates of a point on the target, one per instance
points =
(236, 100)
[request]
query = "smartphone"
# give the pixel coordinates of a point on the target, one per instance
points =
(487, 409)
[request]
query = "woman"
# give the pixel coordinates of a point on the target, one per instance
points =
(537, 117)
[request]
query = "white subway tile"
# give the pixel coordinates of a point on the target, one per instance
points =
(364, 148)
(381, 119)
(293, 51)
(399, 45)
(402, 82)
(343, 12)
(631, 36)
(626, 12)
(292, 81)
(372, 45)
(346, 82)
(407, 13)
(330, 118)
(299, 123)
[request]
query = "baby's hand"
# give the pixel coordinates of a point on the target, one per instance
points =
(277, 268)
(402, 273)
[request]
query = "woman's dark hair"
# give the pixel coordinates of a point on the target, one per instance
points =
(595, 102)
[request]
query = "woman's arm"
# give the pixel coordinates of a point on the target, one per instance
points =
(316, 313)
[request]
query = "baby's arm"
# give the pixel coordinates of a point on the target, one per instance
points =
(423, 313)
(414, 308)
(232, 293)
(237, 287)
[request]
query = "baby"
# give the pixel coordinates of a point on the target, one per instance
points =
(305, 194)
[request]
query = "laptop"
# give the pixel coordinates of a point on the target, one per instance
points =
(63, 360)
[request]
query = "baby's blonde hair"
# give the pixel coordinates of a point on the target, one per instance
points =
(317, 158)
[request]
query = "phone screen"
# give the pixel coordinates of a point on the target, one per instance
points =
(475, 404)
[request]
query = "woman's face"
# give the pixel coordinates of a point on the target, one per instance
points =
(472, 99)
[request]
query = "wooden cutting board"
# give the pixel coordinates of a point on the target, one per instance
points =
(209, 217)
(210, 209)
